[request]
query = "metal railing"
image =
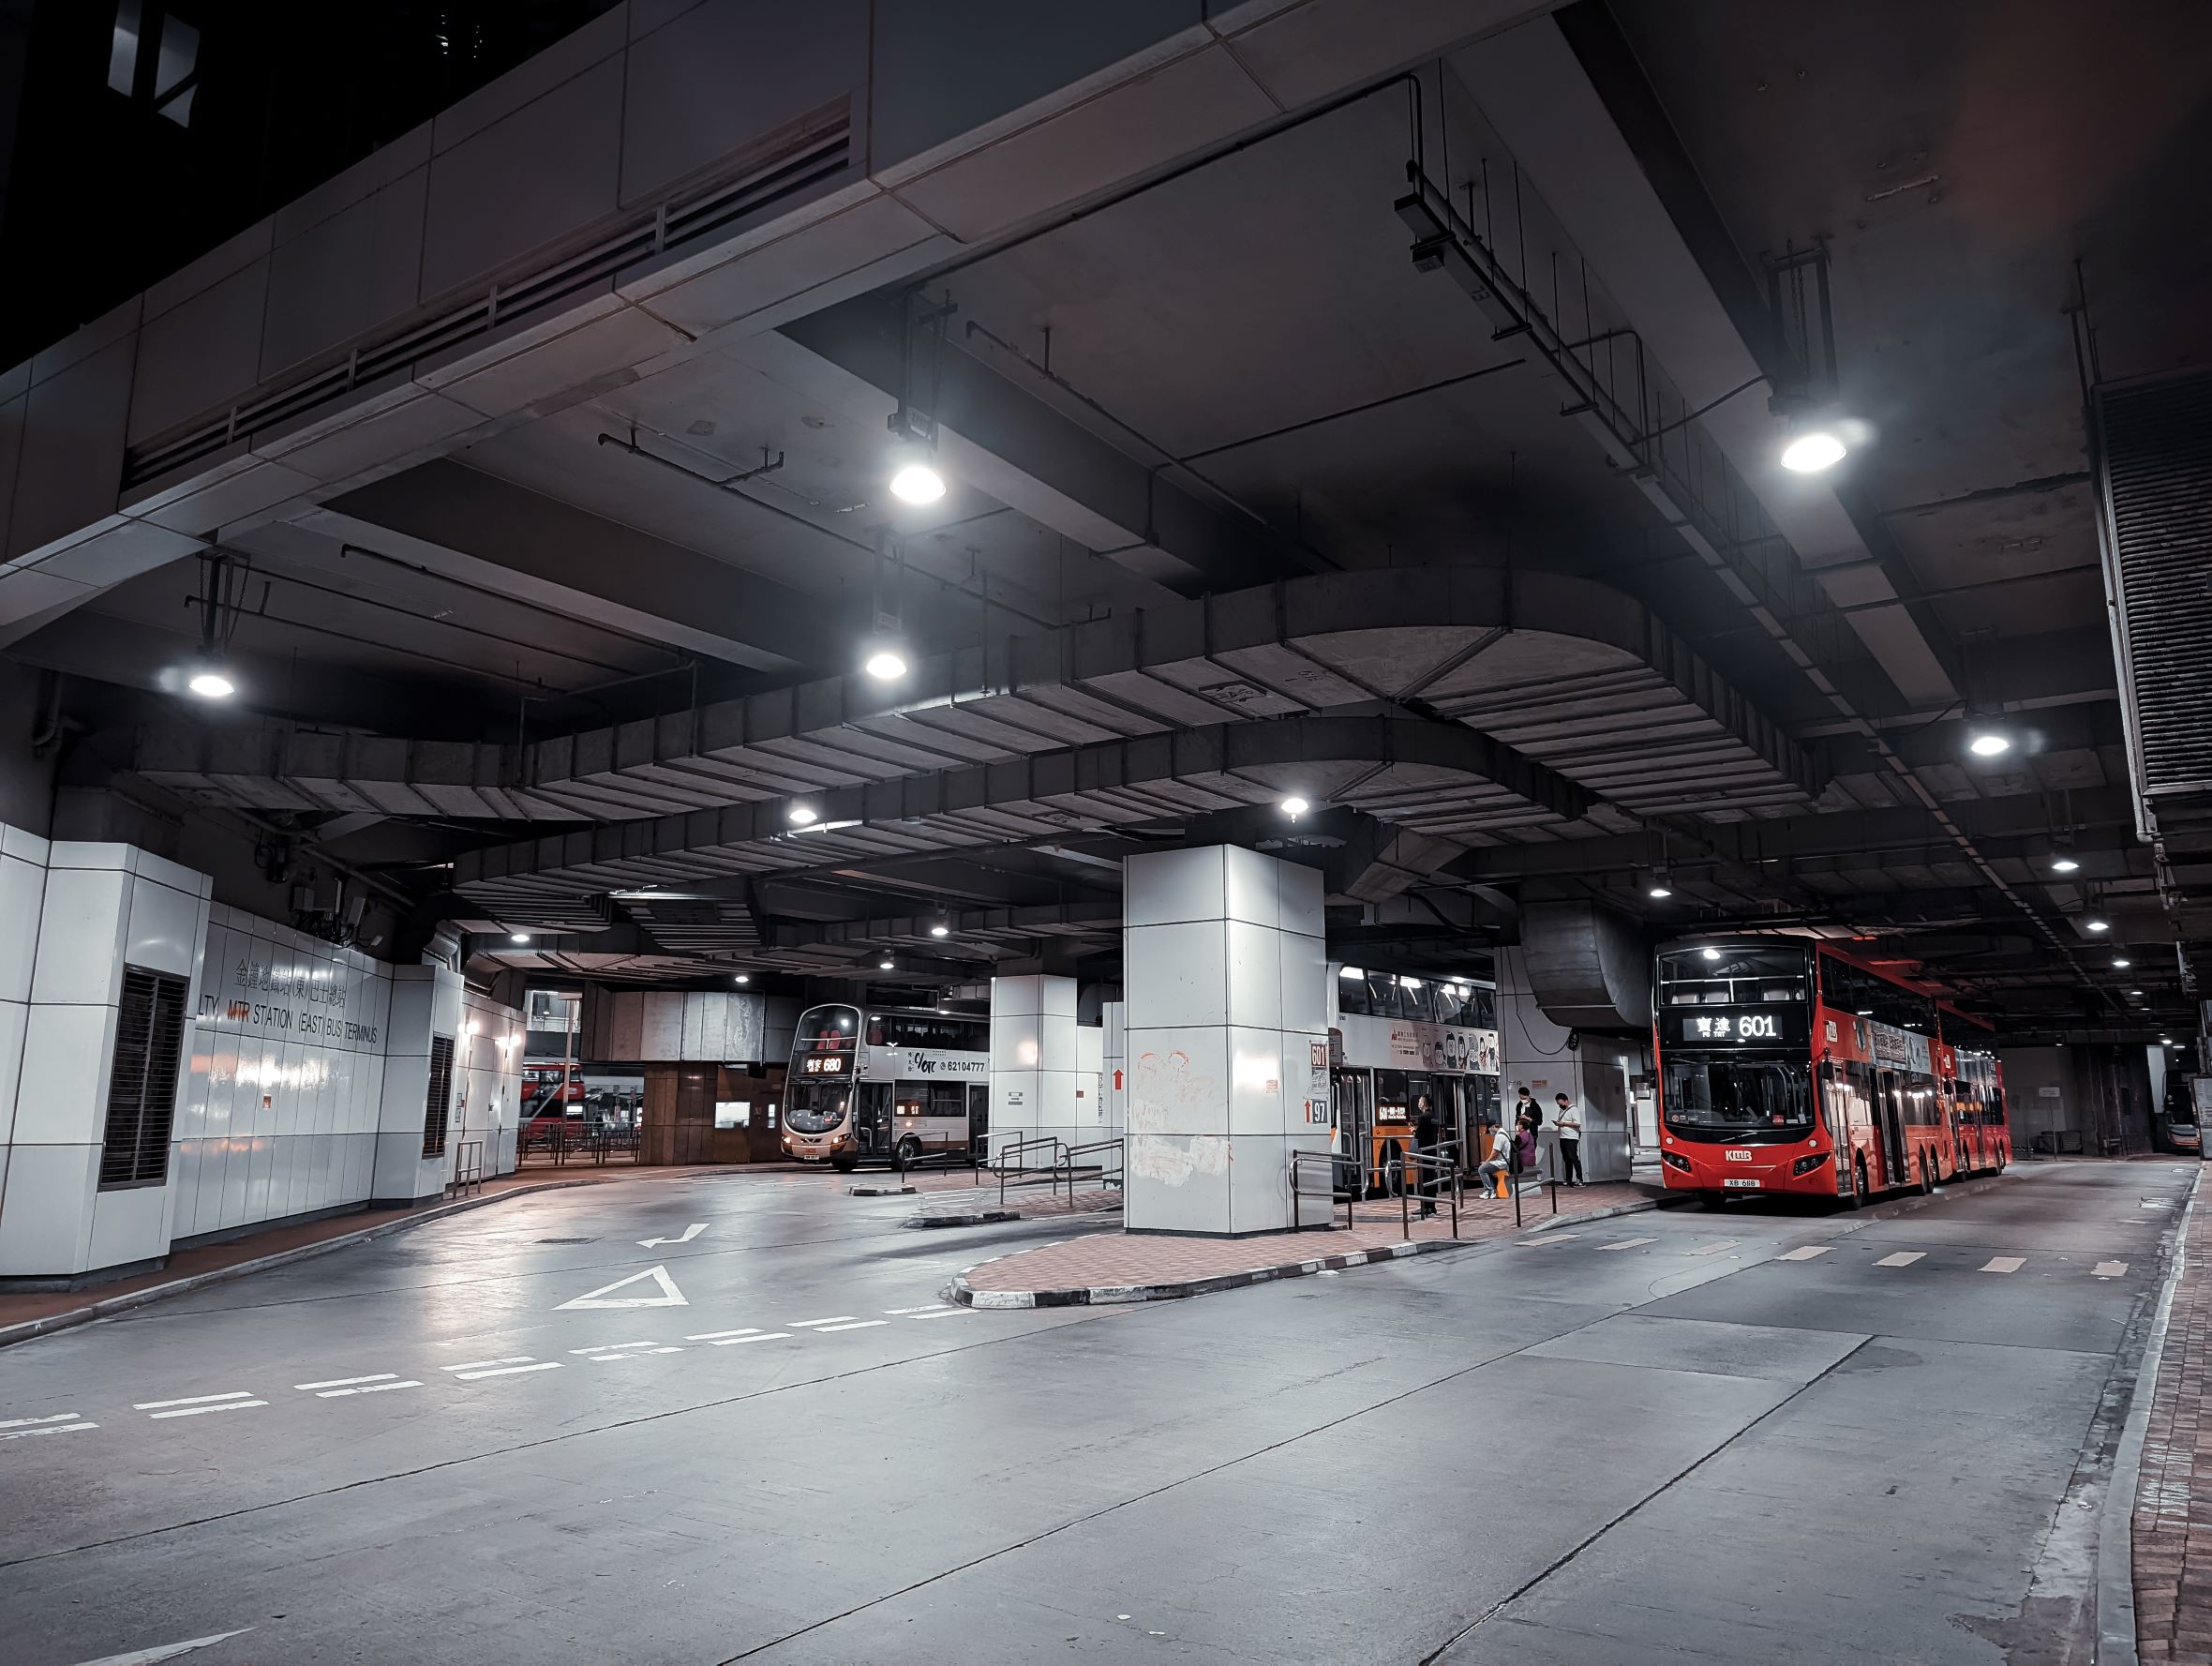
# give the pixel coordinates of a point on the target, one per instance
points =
(467, 1169)
(1013, 1158)
(1076, 1166)
(1434, 1172)
(558, 1145)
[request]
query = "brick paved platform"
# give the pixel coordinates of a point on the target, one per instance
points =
(1120, 1267)
(2173, 1523)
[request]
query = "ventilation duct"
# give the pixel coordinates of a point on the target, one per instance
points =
(1588, 966)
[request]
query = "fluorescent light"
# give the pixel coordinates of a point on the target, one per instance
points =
(1988, 743)
(884, 665)
(918, 483)
(1295, 806)
(799, 815)
(1808, 454)
(522, 937)
(211, 685)
(2065, 864)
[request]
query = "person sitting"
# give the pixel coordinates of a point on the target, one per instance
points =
(1495, 1168)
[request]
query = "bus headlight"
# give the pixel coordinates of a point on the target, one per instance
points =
(1676, 1160)
(1805, 1165)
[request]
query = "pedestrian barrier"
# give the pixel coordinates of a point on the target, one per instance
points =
(467, 1169)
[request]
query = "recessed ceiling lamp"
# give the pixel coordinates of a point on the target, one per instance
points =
(801, 815)
(1295, 806)
(886, 664)
(210, 681)
(1812, 451)
(1988, 743)
(522, 937)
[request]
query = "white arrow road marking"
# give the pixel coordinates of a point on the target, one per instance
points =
(1626, 1243)
(1803, 1253)
(2004, 1264)
(1902, 1258)
(603, 1296)
(168, 1651)
(689, 1233)
(2108, 1270)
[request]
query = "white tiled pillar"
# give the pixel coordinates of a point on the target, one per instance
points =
(1113, 1077)
(1226, 997)
(425, 1001)
(1032, 1061)
(101, 906)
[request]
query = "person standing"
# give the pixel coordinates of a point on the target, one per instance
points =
(1568, 1120)
(1425, 1140)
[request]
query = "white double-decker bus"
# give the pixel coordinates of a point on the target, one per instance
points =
(885, 1083)
(1393, 1040)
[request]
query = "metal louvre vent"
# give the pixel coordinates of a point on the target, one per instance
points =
(821, 150)
(142, 1082)
(438, 1099)
(2156, 457)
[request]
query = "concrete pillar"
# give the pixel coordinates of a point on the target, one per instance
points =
(1226, 992)
(1032, 1061)
(426, 1004)
(72, 916)
(1595, 1073)
(1114, 1080)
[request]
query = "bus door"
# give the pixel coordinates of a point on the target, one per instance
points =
(1352, 1092)
(978, 1095)
(1890, 1109)
(871, 1130)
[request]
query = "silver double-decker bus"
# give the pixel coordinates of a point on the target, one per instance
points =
(886, 1084)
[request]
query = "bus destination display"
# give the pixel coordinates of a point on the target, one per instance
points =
(1736, 1027)
(823, 1064)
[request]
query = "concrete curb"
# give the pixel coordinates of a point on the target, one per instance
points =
(965, 1295)
(967, 1218)
(877, 1191)
(2116, 1522)
(221, 1275)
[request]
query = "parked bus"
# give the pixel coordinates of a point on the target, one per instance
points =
(1789, 1065)
(886, 1084)
(1393, 1038)
(1974, 1086)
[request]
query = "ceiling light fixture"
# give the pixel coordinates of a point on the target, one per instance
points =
(2063, 863)
(210, 683)
(2096, 926)
(1295, 806)
(917, 481)
(1711, 954)
(1988, 743)
(1660, 891)
(884, 665)
(940, 930)
(801, 815)
(743, 977)
(522, 937)
(1812, 451)
(2121, 960)
(885, 964)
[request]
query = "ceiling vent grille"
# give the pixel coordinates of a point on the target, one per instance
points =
(2155, 457)
(819, 151)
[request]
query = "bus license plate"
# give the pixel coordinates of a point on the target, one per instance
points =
(1733, 1181)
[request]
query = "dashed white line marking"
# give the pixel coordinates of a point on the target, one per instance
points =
(2005, 1264)
(485, 1364)
(225, 1405)
(1549, 1237)
(731, 1342)
(944, 1313)
(155, 1405)
(1804, 1253)
(1714, 1249)
(809, 1324)
(628, 1350)
(60, 1423)
(1626, 1243)
(717, 1335)
(471, 1377)
(858, 1324)
(902, 1312)
(347, 1382)
(2108, 1270)
(1902, 1258)
(370, 1388)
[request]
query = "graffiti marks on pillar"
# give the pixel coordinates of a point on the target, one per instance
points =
(1167, 1094)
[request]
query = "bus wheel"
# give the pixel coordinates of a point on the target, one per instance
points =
(1927, 1174)
(1859, 1184)
(845, 1165)
(909, 1149)
(1394, 1170)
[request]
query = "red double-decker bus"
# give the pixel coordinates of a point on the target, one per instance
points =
(1788, 1065)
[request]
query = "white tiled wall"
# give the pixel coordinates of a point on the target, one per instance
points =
(287, 1070)
(73, 915)
(1034, 1062)
(487, 1065)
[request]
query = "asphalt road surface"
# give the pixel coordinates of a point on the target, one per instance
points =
(1749, 1436)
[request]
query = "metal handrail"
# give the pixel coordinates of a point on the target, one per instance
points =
(1299, 1160)
(1073, 1152)
(1444, 1160)
(1021, 1148)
